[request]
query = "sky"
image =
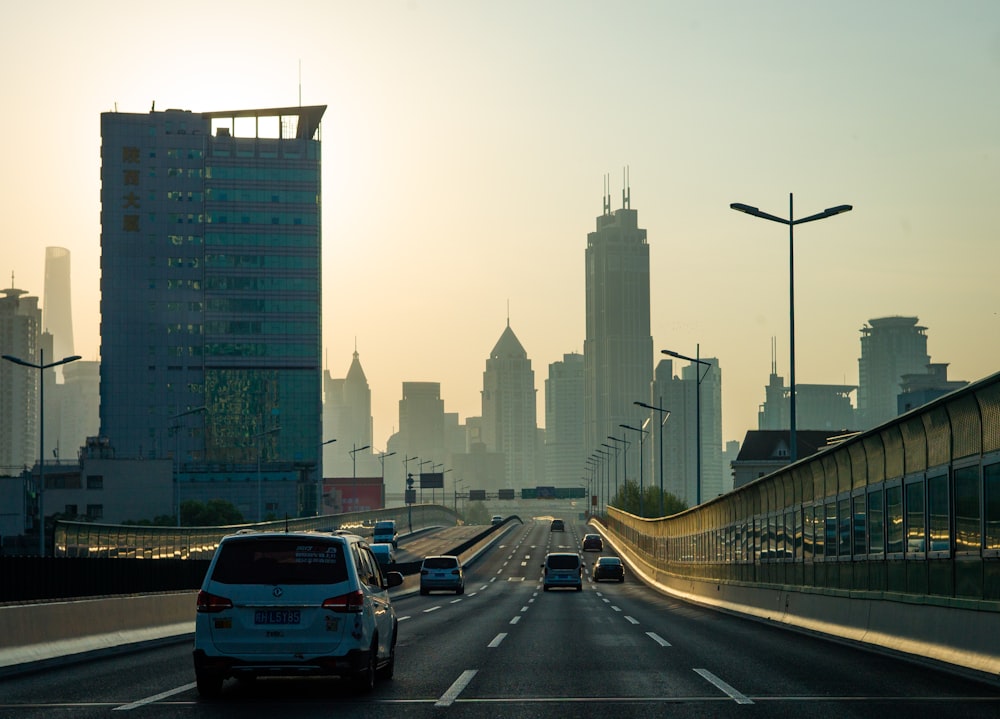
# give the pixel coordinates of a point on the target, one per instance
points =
(466, 145)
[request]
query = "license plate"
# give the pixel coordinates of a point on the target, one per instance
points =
(277, 616)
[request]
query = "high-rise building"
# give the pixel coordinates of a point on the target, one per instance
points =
(20, 331)
(509, 419)
(347, 417)
(564, 421)
(80, 406)
(57, 304)
(618, 349)
(890, 348)
(210, 286)
(680, 395)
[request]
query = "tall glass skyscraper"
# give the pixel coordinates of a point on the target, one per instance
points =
(211, 286)
(618, 349)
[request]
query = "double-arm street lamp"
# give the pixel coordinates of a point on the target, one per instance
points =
(664, 413)
(381, 461)
(603, 458)
(41, 367)
(699, 375)
(354, 472)
(616, 440)
(319, 478)
(642, 437)
(791, 222)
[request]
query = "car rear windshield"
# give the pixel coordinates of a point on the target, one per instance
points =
(440, 563)
(280, 561)
(563, 561)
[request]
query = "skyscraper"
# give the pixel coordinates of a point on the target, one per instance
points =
(890, 348)
(20, 330)
(57, 303)
(618, 349)
(564, 421)
(210, 285)
(510, 424)
(348, 419)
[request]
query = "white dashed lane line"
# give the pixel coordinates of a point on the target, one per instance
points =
(658, 639)
(496, 640)
(738, 697)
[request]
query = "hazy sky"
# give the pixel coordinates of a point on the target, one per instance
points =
(465, 148)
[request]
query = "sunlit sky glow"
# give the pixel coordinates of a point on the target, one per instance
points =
(465, 147)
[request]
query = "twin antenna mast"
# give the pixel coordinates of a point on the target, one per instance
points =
(626, 191)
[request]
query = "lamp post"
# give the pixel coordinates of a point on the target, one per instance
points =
(603, 458)
(41, 367)
(664, 413)
(791, 222)
(381, 461)
(319, 478)
(590, 464)
(697, 430)
(642, 437)
(260, 505)
(624, 449)
(177, 461)
(354, 471)
(407, 488)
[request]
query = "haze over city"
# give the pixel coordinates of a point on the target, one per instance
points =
(465, 151)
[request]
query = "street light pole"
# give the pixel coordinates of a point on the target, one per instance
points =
(260, 504)
(177, 461)
(642, 437)
(407, 488)
(605, 456)
(41, 367)
(624, 449)
(791, 222)
(354, 472)
(664, 413)
(697, 403)
(381, 460)
(319, 479)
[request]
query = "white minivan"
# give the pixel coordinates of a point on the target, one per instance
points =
(295, 603)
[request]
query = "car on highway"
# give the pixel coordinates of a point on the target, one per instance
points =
(442, 572)
(297, 604)
(593, 543)
(610, 568)
(497, 519)
(385, 553)
(385, 532)
(557, 526)
(562, 569)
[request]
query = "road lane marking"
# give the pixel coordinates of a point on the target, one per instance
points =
(402, 619)
(631, 620)
(432, 609)
(496, 640)
(155, 698)
(615, 608)
(516, 619)
(449, 697)
(658, 639)
(723, 687)
(456, 601)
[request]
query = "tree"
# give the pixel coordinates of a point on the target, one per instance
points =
(627, 499)
(214, 513)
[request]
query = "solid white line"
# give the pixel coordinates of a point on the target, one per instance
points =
(449, 697)
(154, 698)
(658, 639)
(723, 687)
(496, 640)
(632, 620)
(516, 619)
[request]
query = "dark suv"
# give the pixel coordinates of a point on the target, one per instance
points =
(298, 603)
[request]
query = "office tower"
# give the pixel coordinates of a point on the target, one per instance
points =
(347, 417)
(679, 394)
(618, 349)
(57, 304)
(210, 286)
(509, 411)
(421, 425)
(890, 348)
(20, 330)
(564, 422)
(80, 407)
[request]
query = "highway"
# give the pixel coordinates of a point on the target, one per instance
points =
(507, 649)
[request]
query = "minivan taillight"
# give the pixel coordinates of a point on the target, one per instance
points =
(350, 602)
(212, 603)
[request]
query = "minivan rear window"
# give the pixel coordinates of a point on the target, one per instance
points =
(563, 561)
(280, 561)
(440, 563)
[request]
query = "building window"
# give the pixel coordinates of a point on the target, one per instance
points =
(70, 511)
(95, 481)
(95, 511)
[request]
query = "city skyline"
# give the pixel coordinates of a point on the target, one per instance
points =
(463, 163)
